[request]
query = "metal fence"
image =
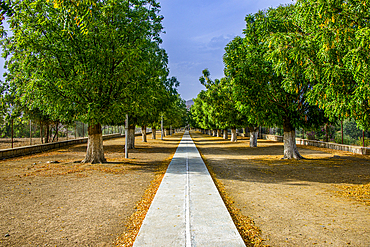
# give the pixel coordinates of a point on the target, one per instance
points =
(19, 132)
(345, 132)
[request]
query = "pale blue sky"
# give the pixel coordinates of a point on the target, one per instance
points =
(197, 32)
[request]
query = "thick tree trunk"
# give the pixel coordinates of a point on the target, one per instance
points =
(218, 133)
(253, 137)
(154, 133)
(226, 134)
(290, 146)
(131, 137)
(143, 133)
(95, 152)
(214, 132)
(234, 136)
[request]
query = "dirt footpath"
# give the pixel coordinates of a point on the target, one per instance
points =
(49, 200)
(323, 200)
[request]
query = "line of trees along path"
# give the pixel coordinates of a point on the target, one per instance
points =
(91, 61)
(301, 65)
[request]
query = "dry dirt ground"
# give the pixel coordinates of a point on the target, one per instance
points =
(74, 204)
(323, 200)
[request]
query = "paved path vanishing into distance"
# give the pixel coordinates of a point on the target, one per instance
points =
(188, 209)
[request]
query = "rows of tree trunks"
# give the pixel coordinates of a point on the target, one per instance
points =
(302, 65)
(93, 62)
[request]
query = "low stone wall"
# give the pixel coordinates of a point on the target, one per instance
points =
(273, 138)
(331, 145)
(335, 146)
(26, 150)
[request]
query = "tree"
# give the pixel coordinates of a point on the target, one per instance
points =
(248, 64)
(331, 48)
(87, 65)
(175, 114)
(223, 110)
(152, 86)
(199, 111)
(5, 10)
(247, 79)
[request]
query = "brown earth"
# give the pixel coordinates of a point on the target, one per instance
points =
(322, 200)
(72, 204)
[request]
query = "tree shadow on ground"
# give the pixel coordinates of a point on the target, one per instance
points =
(264, 164)
(318, 170)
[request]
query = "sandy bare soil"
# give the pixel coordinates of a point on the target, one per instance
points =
(71, 204)
(323, 200)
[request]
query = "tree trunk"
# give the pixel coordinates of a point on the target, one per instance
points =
(234, 136)
(326, 133)
(41, 134)
(47, 133)
(56, 132)
(12, 132)
(214, 132)
(154, 133)
(131, 137)
(341, 129)
(253, 137)
(218, 133)
(290, 146)
(95, 152)
(30, 132)
(143, 133)
(226, 134)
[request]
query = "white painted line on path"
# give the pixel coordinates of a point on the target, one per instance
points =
(187, 203)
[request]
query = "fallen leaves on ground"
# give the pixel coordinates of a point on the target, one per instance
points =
(136, 219)
(358, 192)
(250, 233)
(340, 173)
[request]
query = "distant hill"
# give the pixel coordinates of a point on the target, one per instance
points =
(189, 103)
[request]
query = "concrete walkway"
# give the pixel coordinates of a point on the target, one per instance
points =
(187, 209)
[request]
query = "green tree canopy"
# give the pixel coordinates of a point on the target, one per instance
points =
(264, 93)
(83, 57)
(331, 49)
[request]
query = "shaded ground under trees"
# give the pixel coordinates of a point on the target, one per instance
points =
(323, 199)
(74, 204)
